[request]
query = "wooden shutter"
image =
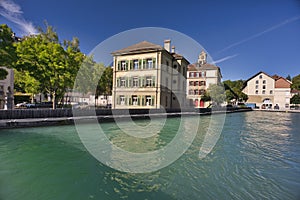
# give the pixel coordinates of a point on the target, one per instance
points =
(154, 62)
(119, 65)
(130, 64)
(153, 81)
(140, 64)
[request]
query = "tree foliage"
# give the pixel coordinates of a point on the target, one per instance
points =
(217, 93)
(296, 82)
(25, 83)
(88, 76)
(105, 83)
(50, 63)
(7, 49)
(295, 99)
(234, 90)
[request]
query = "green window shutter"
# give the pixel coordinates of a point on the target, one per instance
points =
(126, 81)
(144, 64)
(143, 82)
(154, 62)
(140, 64)
(152, 100)
(138, 100)
(131, 65)
(119, 65)
(143, 100)
(130, 101)
(129, 82)
(153, 81)
(118, 82)
(127, 65)
(118, 100)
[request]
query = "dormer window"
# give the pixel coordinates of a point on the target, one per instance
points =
(260, 76)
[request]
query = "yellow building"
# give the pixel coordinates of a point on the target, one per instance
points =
(200, 76)
(147, 75)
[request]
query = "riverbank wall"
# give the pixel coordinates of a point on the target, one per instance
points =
(48, 117)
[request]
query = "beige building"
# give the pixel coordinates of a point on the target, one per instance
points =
(7, 90)
(268, 91)
(147, 75)
(200, 76)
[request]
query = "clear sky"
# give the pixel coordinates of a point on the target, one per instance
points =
(243, 37)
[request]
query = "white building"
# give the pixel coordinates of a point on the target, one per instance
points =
(200, 76)
(268, 91)
(7, 90)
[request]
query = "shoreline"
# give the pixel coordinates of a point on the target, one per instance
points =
(59, 121)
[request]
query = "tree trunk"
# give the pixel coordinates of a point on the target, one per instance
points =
(53, 101)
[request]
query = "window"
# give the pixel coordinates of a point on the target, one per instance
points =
(202, 92)
(260, 76)
(196, 83)
(175, 66)
(149, 81)
(256, 81)
(192, 74)
(196, 92)
(135, 82)
(197, 74)
(134, 100)
(264, 92)
(256, 87)
(136, 64)
(123, 65)
(271, 91)
(202, 83)
(149, 64)
(256, 91)
(122, 100)
(123, 82)
(191, 92)
(149, 101)
(203, 74)
(263, 87)
(264, 81)
(191, 83)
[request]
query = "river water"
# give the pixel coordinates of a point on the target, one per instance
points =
(256, 157)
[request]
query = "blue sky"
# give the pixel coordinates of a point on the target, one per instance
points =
(244, 37)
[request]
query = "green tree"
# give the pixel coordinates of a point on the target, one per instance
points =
(7, 49)
(217, 93)
(234, 90)
(105, 83)
(88, 76)
(48, 62)
(295, 99)
(296, 82)
(25, 83)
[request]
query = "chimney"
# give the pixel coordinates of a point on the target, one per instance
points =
(167, 45)
(173, 49)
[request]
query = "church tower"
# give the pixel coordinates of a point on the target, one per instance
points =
(202, 57)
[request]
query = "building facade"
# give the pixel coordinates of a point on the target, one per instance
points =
(146, 75)
(200, 76)
(7, 90)
(268, 91)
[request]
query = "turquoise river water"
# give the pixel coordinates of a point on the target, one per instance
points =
(256, 157)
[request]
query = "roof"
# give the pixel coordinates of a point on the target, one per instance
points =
(206, 66)
(274, 77)
(139, 47)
